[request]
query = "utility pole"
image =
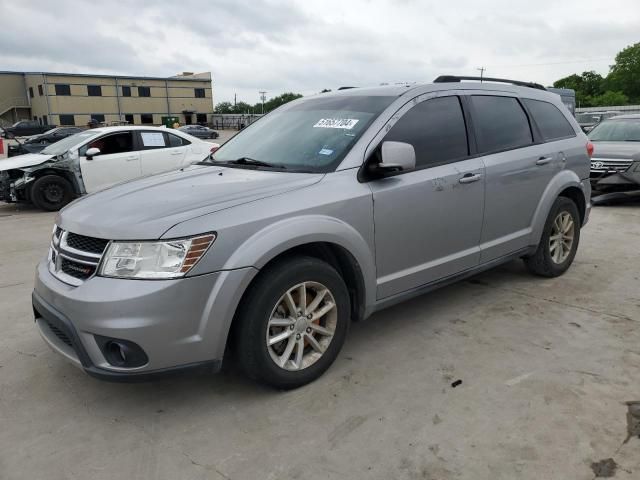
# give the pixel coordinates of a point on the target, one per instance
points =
(235, 95)
(263, 97)
(481, 70)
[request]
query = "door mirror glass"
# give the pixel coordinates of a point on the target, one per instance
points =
(397, 157)
(92, 152)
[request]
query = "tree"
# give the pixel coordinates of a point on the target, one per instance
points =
(224, 107)
(625, 73)
(325, 90)
(609, 99)
(589, 84)
(275, 102)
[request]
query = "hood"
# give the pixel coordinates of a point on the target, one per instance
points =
(22, 161)
(148, 207)
(615, 149)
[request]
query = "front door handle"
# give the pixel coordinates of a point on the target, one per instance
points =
(130, 159)
(470, 178)
(176, 153)
(543, 160)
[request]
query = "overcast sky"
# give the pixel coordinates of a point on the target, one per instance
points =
(305, 46)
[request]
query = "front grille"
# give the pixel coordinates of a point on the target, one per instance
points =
(610, 165)
(75, 258)
(86, 244)
(59, 333)
(76, 270)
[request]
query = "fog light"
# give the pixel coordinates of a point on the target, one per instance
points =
(121, 353)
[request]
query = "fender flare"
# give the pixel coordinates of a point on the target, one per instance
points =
(277, 238)
(560, 182)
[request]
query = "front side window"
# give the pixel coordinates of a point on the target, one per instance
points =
(311, 135)
(500, 123)
(63, 89)
(436, 129)
(94, 90)
(621, 130)
(550, 121)
(116, 143)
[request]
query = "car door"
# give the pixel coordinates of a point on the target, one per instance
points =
(518, 169)
(117, 162)
(157, 154)
(428, 221)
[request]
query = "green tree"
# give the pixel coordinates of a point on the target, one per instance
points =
(625, 73)
(224, 107)
(588, 85)
(609, 98)
(275, 102)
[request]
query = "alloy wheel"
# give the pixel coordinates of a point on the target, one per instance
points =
(301, 326)
(561, 238)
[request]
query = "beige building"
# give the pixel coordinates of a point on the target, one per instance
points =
(75, 99)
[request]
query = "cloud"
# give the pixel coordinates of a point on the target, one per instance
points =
(287, 45)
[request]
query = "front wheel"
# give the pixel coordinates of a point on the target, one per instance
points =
(559, 242)
(292, 323)
(51, 192)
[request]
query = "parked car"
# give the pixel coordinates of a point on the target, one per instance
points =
(199, 131)
(589, 120)
(93, 160)
(38, 142)
(24, 128)
(615, 165)
(328, 209)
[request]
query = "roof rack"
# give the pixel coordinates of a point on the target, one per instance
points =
(455, 78)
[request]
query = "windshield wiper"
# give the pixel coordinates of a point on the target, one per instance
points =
(253, 162)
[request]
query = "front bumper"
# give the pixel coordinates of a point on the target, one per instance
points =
(621, 181)
(179, 324)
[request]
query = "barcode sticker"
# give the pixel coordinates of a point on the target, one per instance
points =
(344, 123)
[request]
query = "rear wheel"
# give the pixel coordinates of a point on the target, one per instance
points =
(559, 242)
(51, 192)
(293, 322)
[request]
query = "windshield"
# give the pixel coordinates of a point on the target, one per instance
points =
(311, 136)
(627, 130)
(65, 144)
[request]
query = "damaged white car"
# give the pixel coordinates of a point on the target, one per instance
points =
(94, 160)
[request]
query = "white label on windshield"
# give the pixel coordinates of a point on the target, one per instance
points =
(344, 123)
(152, 139)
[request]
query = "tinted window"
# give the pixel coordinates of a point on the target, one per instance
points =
(62, 89)
(146, 118)
(67, 120)
(551, 122)
(436, 129)
(176, 141)
(144, 91)
(199, 92)
(500, 122)
(116, 143)
(126, 91)
(94, 90)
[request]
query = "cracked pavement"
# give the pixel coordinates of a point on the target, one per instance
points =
(547, 367)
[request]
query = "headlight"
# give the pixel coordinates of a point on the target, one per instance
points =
(157, 260)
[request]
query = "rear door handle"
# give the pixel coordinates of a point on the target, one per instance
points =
(543, 160)
(177, 153)
(130, 159)
(470, 178)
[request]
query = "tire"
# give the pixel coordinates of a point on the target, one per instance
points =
(265, 304)
(548, 261)
(51, 192)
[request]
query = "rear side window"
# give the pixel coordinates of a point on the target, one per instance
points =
(436, 129)
(152, 140)
(176, 141)
(550, 121)
(500, 123)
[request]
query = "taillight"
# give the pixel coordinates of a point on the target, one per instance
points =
(590, 149)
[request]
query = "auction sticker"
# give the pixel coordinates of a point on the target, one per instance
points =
(344, 123)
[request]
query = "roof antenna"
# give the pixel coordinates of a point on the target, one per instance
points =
(481, 70)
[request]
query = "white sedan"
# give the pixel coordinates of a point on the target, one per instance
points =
(94, 160)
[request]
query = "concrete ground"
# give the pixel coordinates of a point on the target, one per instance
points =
(546, 368)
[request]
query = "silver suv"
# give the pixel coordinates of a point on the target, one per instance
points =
(325, 211)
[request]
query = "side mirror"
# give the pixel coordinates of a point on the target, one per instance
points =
(396, 157)
(92, 152)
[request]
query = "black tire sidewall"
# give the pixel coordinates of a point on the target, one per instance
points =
(41, 202)
(561, 204)
(250, 336)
